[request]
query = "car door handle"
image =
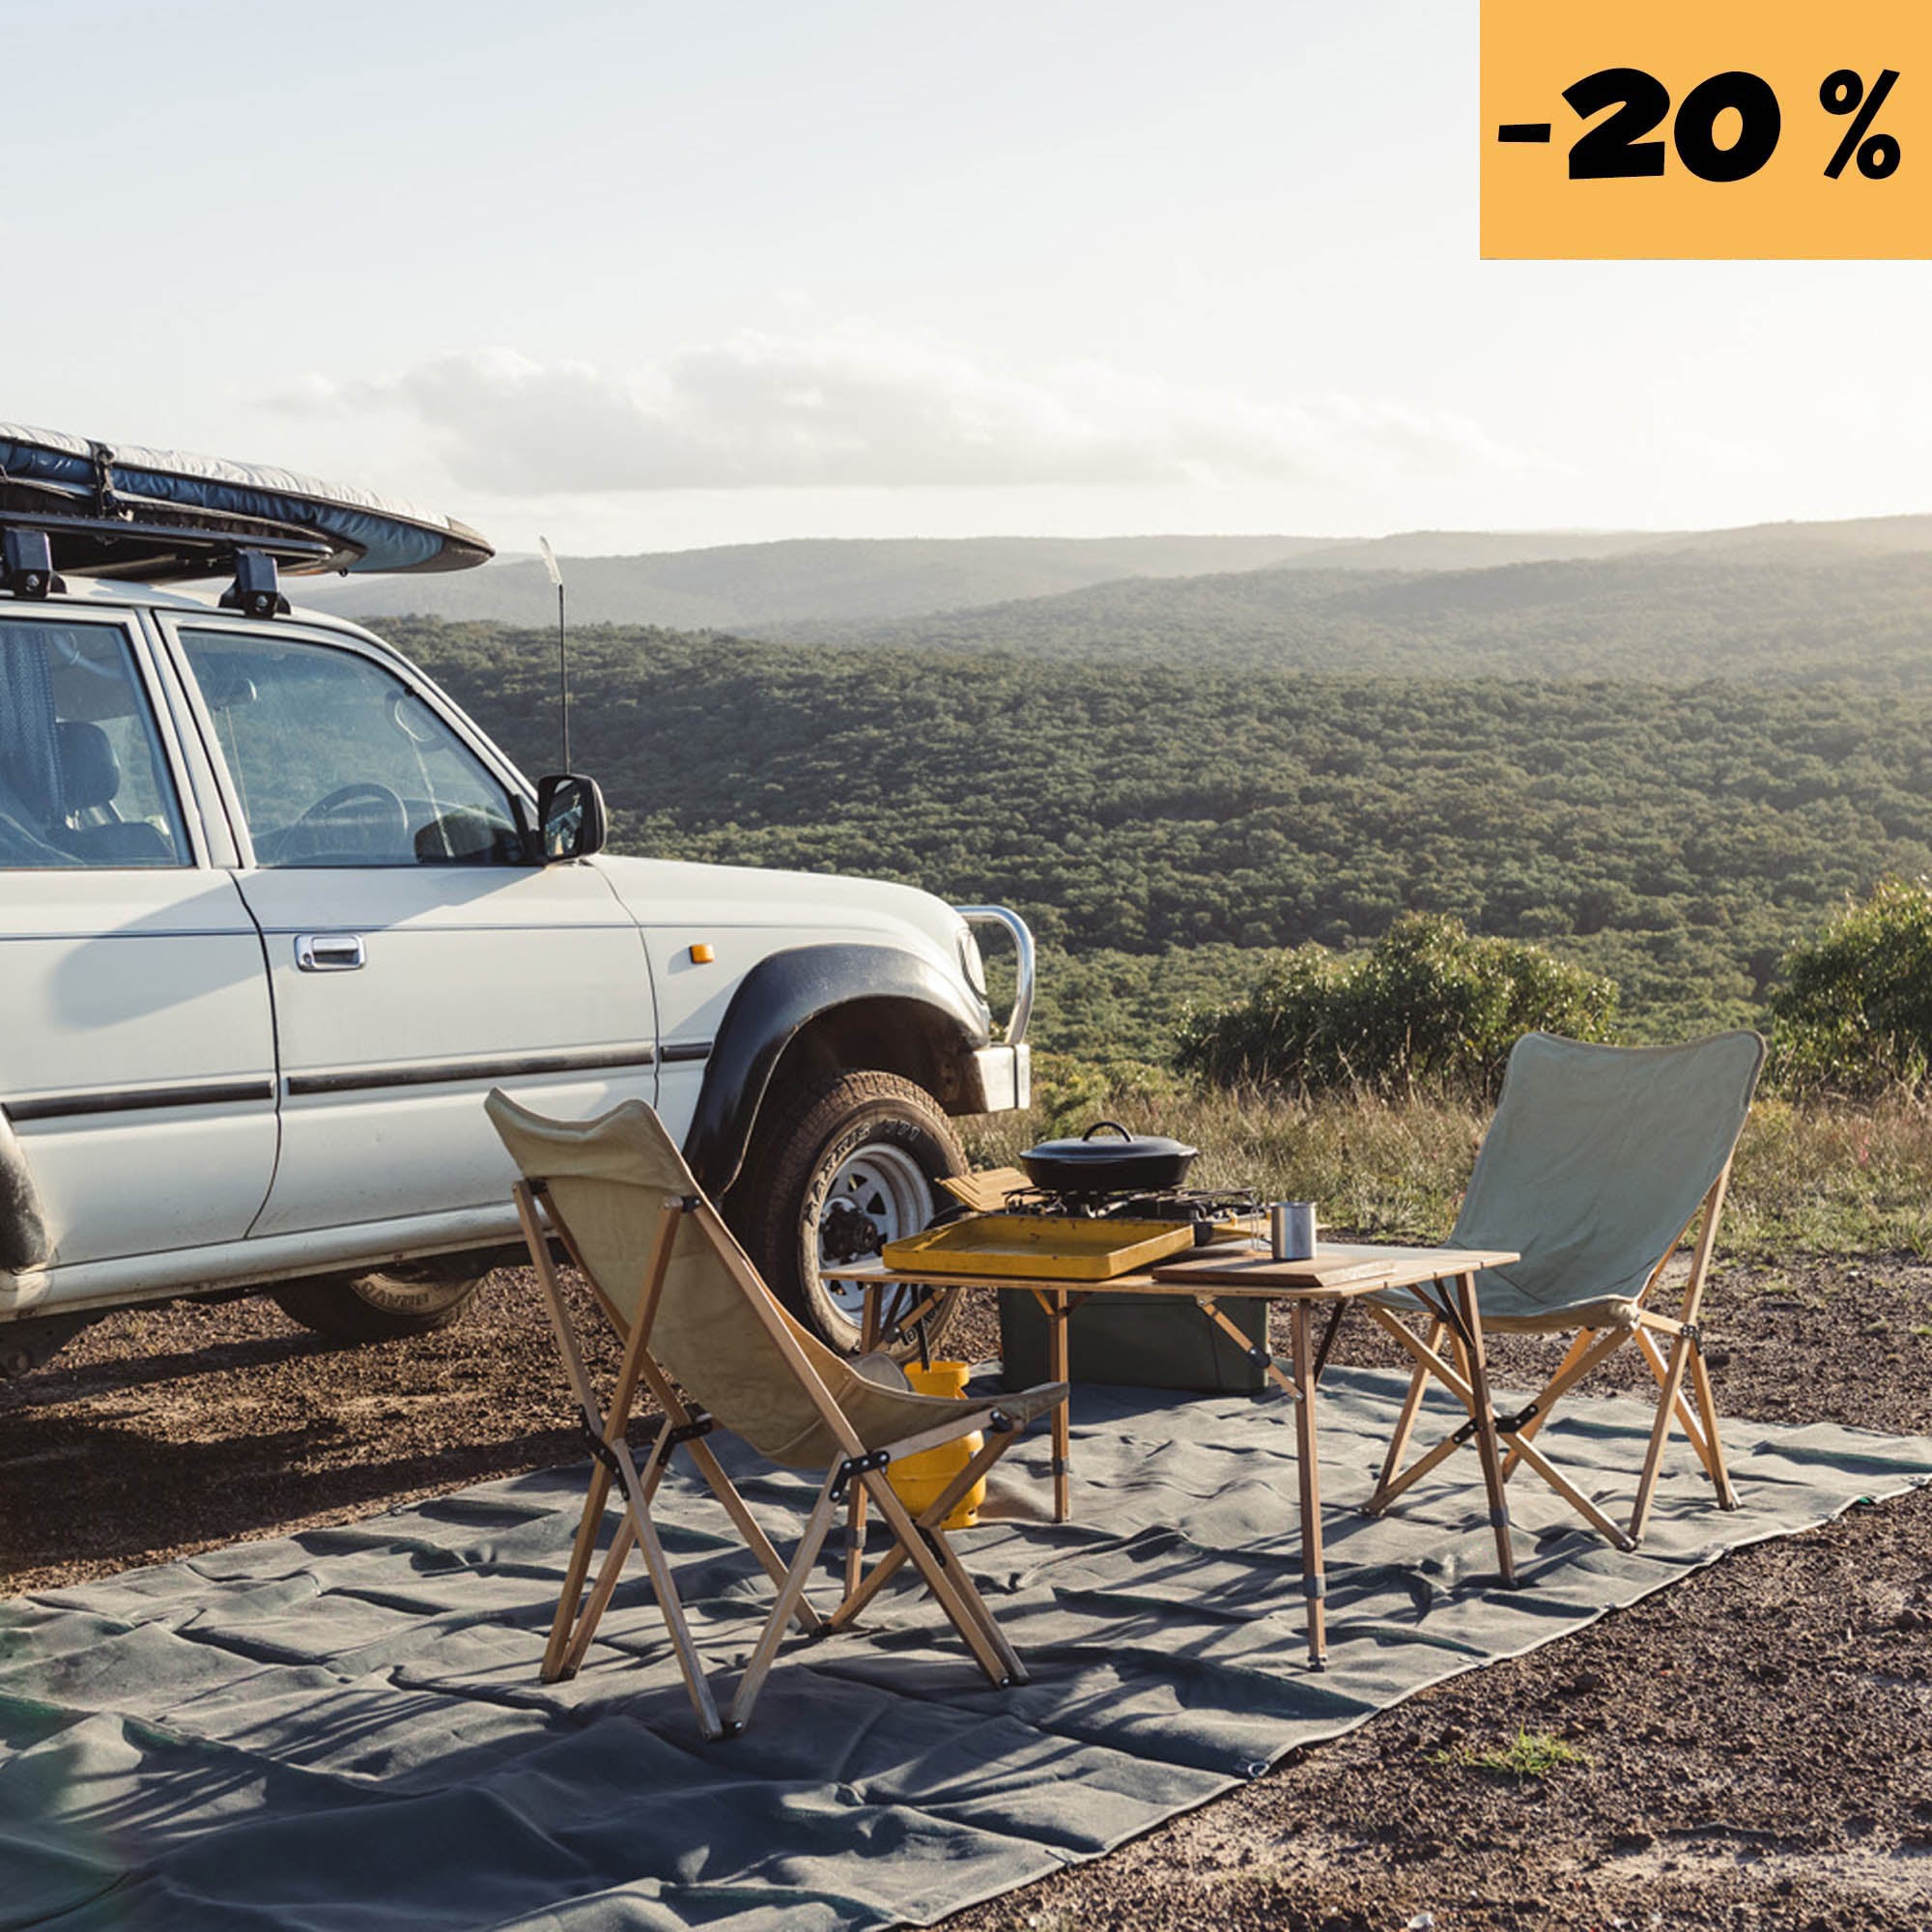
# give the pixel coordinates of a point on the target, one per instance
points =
(331, 952)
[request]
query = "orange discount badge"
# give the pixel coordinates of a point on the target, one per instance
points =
(1721, 129)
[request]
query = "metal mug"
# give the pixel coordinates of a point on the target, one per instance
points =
(1292, 1230)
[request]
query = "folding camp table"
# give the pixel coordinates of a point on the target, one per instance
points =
(1443, 1280)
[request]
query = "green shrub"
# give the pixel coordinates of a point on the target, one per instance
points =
(1854, 1016)
(1428, 1009)
(1070, 1094)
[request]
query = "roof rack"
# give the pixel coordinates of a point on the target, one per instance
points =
(161, 545)
(27, 556)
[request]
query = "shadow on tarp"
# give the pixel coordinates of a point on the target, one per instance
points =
(345, 1729)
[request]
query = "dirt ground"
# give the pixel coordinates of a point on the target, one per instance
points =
(1753, 1747)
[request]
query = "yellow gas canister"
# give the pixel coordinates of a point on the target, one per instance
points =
(919, 1480)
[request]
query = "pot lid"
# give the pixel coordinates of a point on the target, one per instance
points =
(1098, 1147)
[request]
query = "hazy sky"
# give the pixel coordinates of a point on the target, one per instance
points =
(643, 276)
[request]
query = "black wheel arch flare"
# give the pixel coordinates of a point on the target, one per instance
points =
(780, 996)
(23, 1233)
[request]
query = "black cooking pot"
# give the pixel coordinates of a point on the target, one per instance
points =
(1132, 1163)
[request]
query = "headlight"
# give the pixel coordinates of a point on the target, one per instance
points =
(970, 962)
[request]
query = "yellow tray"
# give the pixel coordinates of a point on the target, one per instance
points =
(1037, 1247)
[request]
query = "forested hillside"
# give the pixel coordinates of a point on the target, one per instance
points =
(1158, 822)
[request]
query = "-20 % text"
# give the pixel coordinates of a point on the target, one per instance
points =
(1725, 129)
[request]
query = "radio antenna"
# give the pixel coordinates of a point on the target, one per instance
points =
(562, 655)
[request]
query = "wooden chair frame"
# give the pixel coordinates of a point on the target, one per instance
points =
(920, 1540)
(1460, 1373)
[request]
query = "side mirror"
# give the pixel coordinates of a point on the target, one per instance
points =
(570, 819)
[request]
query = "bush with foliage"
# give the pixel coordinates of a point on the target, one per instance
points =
(1428, 1009)
(1854, 1016)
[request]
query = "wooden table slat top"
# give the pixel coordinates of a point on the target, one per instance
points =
(1227, 1271)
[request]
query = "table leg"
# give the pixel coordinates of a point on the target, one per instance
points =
(1062, 1427)
(855, 1507)
(1313, 1580)
(1328, 1335)
(1486, 1424)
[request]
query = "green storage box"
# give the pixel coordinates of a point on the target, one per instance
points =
(1139, 1341)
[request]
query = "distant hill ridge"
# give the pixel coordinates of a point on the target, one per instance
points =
(1800, 612)
(771, 587)
(878, 589)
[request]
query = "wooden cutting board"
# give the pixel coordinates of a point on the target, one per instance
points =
(1328, 1267)
(985, 1189)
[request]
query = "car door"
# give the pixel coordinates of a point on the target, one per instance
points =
(137, 1055)
(416, 957)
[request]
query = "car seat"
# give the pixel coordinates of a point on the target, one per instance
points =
(91, 780)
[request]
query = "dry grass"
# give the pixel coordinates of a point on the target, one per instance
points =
(1834, 1179)
(1810, 1178)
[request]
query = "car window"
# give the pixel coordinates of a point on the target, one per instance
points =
(338, 762)
(82, 779)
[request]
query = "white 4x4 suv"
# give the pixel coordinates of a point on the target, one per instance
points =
(275, 916)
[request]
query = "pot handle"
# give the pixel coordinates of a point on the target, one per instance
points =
(1098, 1125)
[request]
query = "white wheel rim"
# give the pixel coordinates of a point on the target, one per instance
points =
(890, 1189)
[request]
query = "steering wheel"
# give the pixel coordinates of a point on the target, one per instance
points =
(389, 834)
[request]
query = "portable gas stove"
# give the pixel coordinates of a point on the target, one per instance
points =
(1216, 1212)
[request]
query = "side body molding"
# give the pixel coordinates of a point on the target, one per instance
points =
(23, 1235)
(778, 996)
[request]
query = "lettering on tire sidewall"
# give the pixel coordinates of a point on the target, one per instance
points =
(403, 1298)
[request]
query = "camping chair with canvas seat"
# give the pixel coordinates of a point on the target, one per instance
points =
(1599, 1161)
(704, 1335)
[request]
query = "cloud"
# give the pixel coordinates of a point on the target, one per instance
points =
(856, 407)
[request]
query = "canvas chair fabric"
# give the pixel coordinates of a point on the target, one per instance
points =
(617, 1189)
(1598, 1163)
(608, 1179)
(1593, 1167)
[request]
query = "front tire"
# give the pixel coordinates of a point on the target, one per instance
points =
(383, 1304)
(834, 1172)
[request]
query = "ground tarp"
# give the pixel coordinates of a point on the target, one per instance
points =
(345, 1729)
